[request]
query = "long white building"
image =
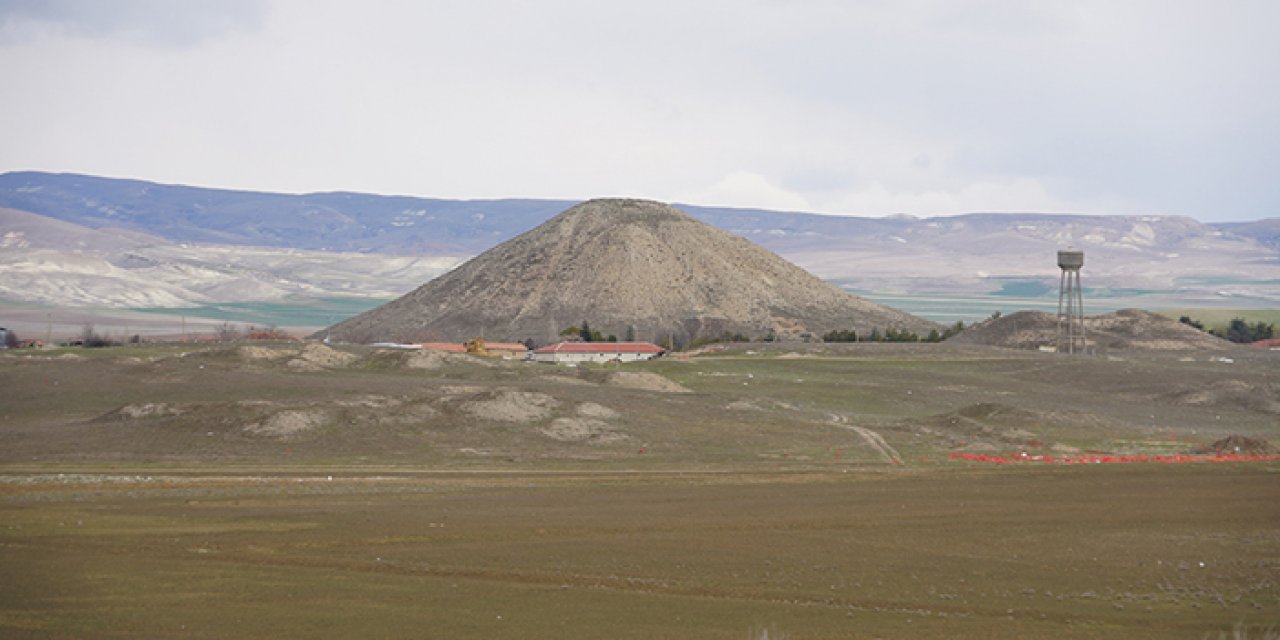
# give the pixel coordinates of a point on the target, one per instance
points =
(574, 352)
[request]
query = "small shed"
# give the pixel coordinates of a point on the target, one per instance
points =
(600, 352)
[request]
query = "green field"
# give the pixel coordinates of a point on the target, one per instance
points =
(295, 312)
(1220, 318)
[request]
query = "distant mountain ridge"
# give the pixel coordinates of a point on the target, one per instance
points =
(343, 221)
(971, 254)
(317, 221)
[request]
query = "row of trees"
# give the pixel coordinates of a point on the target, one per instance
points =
(226, 332)
(587, 334)
(892, 335)
(1238, 330)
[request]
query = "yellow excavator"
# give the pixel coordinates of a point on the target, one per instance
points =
(475, 347)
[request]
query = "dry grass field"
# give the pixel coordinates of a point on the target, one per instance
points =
(788, 492)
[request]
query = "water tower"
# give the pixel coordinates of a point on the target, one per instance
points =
(1070, 302)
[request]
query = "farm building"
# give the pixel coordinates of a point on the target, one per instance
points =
(575, 352)
(451, 347)
(508, 350)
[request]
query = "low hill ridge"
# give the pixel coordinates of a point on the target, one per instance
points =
(1127, 329)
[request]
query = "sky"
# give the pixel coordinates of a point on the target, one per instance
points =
(875, 107)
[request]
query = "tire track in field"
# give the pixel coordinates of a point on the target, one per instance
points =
(875, 440)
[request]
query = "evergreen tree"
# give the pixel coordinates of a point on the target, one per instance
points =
(1238, 331)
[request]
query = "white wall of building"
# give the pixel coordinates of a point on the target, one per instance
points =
(599, 358)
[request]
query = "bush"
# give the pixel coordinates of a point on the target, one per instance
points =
(91, 339)
(270, 332)
(839, 335)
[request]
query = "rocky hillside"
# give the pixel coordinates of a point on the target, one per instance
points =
(622, 264)
(1130, 329)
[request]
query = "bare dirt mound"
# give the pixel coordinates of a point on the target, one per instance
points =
(141, 411)
(590, 425)
(288, 423)
(513, 406)
(1234, 393)
(645, 381)
(425, 360)
(1239, 444)
(254, 353)
(583, 430)
(623, 264)
(1129, 329)
(318, 356)
(420, 359)
(593, 410)
(988, 425)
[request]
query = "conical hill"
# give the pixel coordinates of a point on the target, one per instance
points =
(617, 264)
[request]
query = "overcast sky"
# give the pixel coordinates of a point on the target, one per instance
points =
(868, 108)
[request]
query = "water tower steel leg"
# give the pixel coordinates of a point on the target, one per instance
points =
(1080, 309)
(1062, 290)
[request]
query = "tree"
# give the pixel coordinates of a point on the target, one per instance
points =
(91, 338)
(933, 336)
(875, 335)
(585, 332)
(226, 332)
(1263, 331)
(570, 330)
(1238, 330)
(840, 335)
(631, 333)
(10, 338)
(953, 329)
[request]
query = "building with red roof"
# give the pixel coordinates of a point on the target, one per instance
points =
(450, 347)
(503, 349)
(575, 352)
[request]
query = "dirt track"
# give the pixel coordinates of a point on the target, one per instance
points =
(873, 439)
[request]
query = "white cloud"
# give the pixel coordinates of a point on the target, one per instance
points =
(748, 190)
(870, 108)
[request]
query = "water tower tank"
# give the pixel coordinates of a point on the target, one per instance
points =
(1070, 259)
